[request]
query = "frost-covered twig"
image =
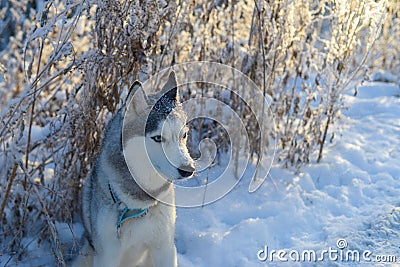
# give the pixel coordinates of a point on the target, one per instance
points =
(7, 193)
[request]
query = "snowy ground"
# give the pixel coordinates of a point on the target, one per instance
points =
(350, 200)
(351, 197)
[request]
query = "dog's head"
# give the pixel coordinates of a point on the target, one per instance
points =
(162, 123)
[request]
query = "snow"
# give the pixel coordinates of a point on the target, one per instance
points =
(384, 76)
(353, 194)
(351, 197)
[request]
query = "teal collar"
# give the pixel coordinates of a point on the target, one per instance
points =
(126, 213)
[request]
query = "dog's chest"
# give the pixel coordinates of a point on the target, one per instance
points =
(147, 228)
(145, 232)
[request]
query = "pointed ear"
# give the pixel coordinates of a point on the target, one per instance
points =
(137, 98)
(171, 88)
(132, 89)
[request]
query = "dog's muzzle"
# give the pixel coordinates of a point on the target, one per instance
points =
(186, 171)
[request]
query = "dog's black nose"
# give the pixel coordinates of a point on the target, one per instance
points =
(186, 171)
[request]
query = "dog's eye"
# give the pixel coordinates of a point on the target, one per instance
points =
(157, 138)
(184, 135)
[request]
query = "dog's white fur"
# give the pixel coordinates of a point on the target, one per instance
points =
(148, 241)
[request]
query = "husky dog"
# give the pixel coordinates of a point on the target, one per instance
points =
(125, 223)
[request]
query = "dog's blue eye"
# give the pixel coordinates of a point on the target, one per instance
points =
(157, 138)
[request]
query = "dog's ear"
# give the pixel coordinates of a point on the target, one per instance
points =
(137, 98)
(170, 89)
(132, 89)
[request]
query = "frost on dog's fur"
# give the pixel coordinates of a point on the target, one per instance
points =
(150, 239)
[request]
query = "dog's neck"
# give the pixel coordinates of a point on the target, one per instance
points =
(142, 200)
